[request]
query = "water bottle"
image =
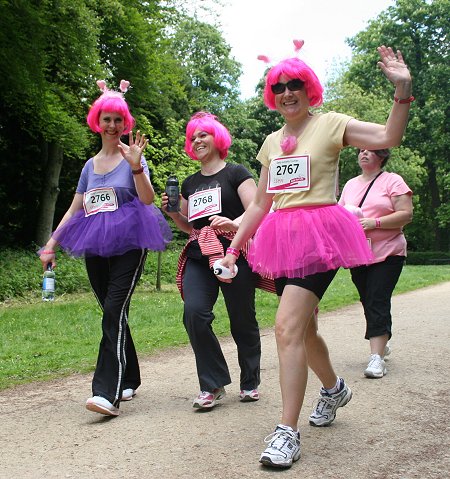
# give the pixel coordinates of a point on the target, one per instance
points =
(48, 284)
(173, 192)
(356, 210)
(222, 271)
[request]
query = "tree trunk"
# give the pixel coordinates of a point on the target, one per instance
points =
(50, 191)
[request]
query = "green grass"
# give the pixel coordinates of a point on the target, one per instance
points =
(41, 341)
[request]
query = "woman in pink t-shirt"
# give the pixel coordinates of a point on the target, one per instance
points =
(383, 212)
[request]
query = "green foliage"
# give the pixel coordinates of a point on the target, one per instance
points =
(428, 257)
(211, 74)
(165, 153)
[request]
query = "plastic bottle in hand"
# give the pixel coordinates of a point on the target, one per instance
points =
(222, 271)
(48, 284)
(173, 193)
(356, 210)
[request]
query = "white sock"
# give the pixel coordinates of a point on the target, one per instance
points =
(335, 388)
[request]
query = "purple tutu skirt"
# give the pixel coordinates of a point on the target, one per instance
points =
(133, 225)
(298, 242)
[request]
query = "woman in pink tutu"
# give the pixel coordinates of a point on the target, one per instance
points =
(309, 236)
(112, 222)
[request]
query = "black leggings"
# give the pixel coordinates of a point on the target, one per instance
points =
(200, 291)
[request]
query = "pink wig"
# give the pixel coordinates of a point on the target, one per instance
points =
(110, 101)
(293, 68)
(207, 122)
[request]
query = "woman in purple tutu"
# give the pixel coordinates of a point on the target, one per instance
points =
(112, 222)
(309, 236)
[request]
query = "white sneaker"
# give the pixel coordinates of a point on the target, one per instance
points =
(248, 395)
(283, 448)
(324, 412)
(207, 400)
(387, 351)
(376, 367)
(128, 394)
(102, 406)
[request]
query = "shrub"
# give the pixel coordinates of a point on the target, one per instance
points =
(428, 257)
(21, 272)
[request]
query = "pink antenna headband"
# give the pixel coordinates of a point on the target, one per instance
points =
(123, 87)
(298, 44)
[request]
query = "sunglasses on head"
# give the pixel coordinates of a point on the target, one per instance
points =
(293, 85)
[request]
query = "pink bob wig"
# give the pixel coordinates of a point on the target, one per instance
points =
(209, 123)
(294, 68)
(110, 101)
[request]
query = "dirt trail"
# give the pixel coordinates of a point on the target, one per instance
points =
(396, 427)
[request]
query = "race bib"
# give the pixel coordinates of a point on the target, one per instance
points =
(99, 200)
(289, 173)
(204, 203)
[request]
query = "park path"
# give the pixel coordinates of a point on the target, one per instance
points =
(394, 428)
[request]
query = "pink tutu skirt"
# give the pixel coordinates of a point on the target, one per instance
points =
(133, 225)
(298, 242)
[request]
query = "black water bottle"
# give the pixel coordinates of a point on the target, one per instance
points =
(173, 193)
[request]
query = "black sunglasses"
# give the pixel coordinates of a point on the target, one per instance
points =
(293, 85)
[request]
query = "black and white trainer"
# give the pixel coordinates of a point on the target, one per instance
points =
(326, 406)
(283, 447)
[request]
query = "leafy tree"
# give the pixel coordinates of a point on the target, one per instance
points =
(42, 103)
(211, 74)
(420, 30)
(134, 45)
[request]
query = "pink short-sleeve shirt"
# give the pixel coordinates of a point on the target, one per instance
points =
(378, 203)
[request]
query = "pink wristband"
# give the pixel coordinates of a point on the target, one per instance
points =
(233, 251)
(48, 252)
(404, 100)
(377, 223)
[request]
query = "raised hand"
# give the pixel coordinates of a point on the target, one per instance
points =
(133, 151)
(393, 65)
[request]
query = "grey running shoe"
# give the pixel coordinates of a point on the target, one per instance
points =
(324, 412)
(376, 367)
(207, 400)
(283, 448)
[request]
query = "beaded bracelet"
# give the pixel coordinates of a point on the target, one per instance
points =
(233, 251)
(404, 100)
(377, 223)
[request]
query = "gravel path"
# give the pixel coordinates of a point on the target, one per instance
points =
(396, 427)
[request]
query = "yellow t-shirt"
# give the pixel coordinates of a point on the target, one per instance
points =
(322, 140)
